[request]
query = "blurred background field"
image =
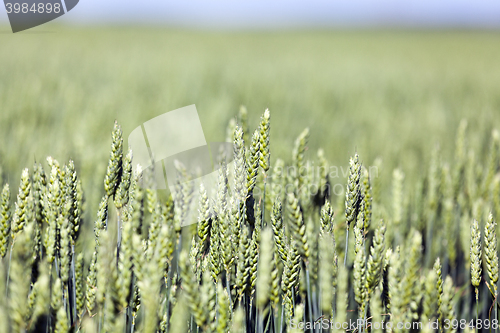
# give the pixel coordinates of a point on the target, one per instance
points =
(387, 94)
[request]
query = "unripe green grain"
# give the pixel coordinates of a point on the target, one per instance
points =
(490, 252)
(209, 300)
(375, 260)
(290, 280)
(253, 259)
(183, 195)
(151, 193)
(5, 216)
(167, 248)
(104, 261)
(137, 302)
(91, 288)
(410, 282)
(42, 300)
(258, 214)
(396, 274)
(204, 215)
(447, 304)
(297, 226)
(274, 295)
(168, 210)
(287, 303)
(386, 291)
(298, 158)
(56, 299)
(122, 192)
(359, 272)
(224, 220)
(39, 188)
(243, 268)
(264, 129)
(136, 205)
(264, 269)
(113, 173)
(439, 287)
(74, 210)
(227, 237)
(475, 255)
(125, 264)
(79, 204)
(21, 206)
(359, 235)
(139, 247)
(240, 178)
(277, 180)
(313, 241)
(19, 286)
(190, 287)
(253, 156)
(214, 254)
(376, 309)
(326, 256)
(51, 233)
(342, 296)
(397, 196)
(430, 304)
(154, 230)
(278, 229)
(367, 199)
(150, 287)
(353, 194)
(65, 249)
(79, 285)
(193, 257)
(326, 218)
(223, 304)
(102, 217)
(62, 325)
(179, 321)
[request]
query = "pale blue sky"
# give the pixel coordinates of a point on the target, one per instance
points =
(238, 14)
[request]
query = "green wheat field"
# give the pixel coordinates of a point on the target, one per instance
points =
(365, 183)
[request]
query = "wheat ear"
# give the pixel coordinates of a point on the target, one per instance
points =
(475, 259)
(5, 215)
(490, 252)
(278, 229)
(352, 197)
(114, 170)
